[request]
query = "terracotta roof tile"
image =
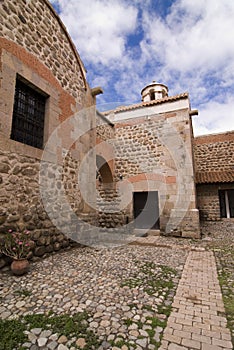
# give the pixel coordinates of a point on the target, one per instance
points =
(148, 104)
(213, 138)
(214, 176)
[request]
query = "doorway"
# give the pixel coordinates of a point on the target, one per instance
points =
(146, 210)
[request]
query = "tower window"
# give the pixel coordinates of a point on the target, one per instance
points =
(28, 114)
(152, 95)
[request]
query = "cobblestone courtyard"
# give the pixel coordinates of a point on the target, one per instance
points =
(130, 297)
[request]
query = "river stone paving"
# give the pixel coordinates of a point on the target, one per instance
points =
(126, 310)
(126, 291)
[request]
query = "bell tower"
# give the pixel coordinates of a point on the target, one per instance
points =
(154, 91)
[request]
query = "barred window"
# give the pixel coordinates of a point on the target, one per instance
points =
(28, 114)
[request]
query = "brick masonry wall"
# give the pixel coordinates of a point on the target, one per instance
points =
(214, 152)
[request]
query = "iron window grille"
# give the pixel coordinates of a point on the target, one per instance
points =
(28, 115)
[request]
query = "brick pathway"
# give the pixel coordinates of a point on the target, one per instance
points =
(160, 241)
(198, 320)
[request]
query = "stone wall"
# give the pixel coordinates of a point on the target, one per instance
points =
(105, 130)
(51, 220)
(214, 165)
(154, 154)
(214, 152)
(208, 200)
(36, 47)
(109, 215)
(36, 27)
(21, 206)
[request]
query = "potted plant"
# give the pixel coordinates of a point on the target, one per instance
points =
(17, 245)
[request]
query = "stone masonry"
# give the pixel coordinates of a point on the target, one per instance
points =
(38, 29)
(214, 153)
(109, 213)
(214, 166)
(208, 200)
(153, 153)
(36, 48)
(140, 148)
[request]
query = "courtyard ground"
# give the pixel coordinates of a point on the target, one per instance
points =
(159, 293)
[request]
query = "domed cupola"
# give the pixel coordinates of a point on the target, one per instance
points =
(154, 91)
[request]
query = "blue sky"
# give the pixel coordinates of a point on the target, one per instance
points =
(184, 44)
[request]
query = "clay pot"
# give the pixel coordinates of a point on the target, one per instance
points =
(20, 267)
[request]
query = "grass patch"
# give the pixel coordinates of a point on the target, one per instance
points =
(121, 342)
(153, 278)
(151, 332)
(155, 322)
(163, 309)
(128, 322)
(12, 334)
(12, 331)
(23, 292)
(148, 308)
(227, 286)
(224, 253)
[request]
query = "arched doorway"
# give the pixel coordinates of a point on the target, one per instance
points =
(108, 201)
(104, 173)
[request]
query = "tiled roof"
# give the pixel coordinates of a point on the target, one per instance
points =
(214, 176)
(212, 138)
(148, 104)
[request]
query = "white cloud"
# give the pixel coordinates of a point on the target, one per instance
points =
(194, 48)
(191, 49)
(99, 27)
(215, 117)
(195, 35)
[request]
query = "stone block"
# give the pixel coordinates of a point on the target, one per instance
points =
(39, 251)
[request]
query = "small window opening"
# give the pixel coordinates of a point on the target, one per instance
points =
(226, 201)
(152, 95)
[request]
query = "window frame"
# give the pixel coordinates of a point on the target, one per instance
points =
(226, 198)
